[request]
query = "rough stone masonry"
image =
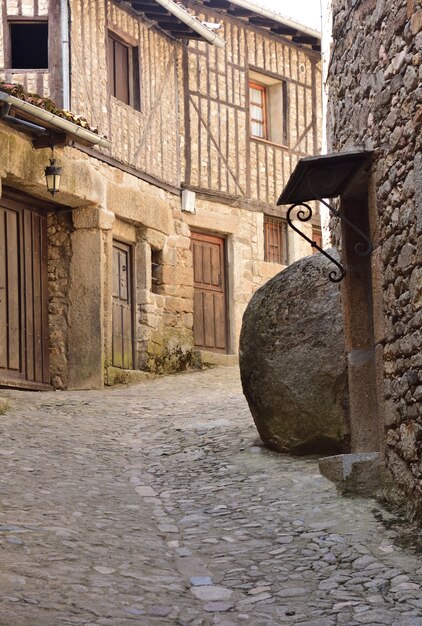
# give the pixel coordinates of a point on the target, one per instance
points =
(375, 93)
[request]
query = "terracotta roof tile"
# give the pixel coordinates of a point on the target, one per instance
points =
(18, 91)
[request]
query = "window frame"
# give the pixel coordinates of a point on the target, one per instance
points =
(263, 105)
(276, 128)
(279, 226)
(133, 69)
(15, 20)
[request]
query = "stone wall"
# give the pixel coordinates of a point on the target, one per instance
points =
(59, 228)
(375, 97)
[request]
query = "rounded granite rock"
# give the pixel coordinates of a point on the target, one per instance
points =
(293, 362)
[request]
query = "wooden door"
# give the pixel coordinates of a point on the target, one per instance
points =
(24, 350)
(122, 306)
(209, 306)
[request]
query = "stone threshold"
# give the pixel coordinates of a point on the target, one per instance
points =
(212, 359)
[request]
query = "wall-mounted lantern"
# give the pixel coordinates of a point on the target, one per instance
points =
(53, 173)
(319, 177)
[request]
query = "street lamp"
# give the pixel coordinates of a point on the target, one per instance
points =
(53, 173)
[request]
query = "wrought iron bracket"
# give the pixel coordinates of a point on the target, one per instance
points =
(326, 176)
(304, 216)
(361, 248)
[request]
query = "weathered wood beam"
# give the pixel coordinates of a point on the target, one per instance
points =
(154, 11)
(284, 30)
(239, 12)
(262, 21)
(179, 34)
(218, 4)
(50, 139)
(173, 26)
(305, 39)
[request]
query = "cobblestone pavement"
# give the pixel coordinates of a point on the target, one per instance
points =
(152, 504)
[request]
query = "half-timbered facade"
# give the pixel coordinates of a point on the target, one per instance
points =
(166, 221)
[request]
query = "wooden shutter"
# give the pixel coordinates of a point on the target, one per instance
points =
(121, 71)
(118, 70)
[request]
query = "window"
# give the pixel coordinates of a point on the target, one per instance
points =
(258, 110)
(156, 270)
(123, 71)
(268, 108)
(275, 240)
(28, 45)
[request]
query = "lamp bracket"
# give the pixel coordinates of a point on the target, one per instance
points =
(49, 140)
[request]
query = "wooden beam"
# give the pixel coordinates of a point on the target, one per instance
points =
(185, 34)
(284, 30)
(218, 4)
(49, 140)
(305, 39)
(262, 21)
(172, 25)
(239, 12)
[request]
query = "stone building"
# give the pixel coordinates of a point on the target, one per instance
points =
(192, 120)
(374, 107)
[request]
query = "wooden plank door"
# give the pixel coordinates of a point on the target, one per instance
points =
(24, 349)
(209, 306)
(122, 306)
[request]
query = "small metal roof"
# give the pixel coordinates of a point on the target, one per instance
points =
(323, 176)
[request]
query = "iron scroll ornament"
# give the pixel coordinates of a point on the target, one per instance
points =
(362, 248)
(336, 275)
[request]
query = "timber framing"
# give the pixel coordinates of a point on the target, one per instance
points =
(221, 154)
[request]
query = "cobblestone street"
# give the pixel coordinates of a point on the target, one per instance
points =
(154, 504)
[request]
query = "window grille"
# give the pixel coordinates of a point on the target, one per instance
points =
(275, 240)
(156, 270)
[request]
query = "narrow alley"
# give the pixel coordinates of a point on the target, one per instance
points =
(155, 504)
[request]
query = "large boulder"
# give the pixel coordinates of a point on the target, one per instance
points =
(293, 362)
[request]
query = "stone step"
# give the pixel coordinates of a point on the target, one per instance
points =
(357, 473)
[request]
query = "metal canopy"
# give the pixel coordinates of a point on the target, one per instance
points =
(323, 176)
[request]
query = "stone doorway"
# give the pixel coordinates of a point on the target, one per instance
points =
(123, 309)
(209, 306)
